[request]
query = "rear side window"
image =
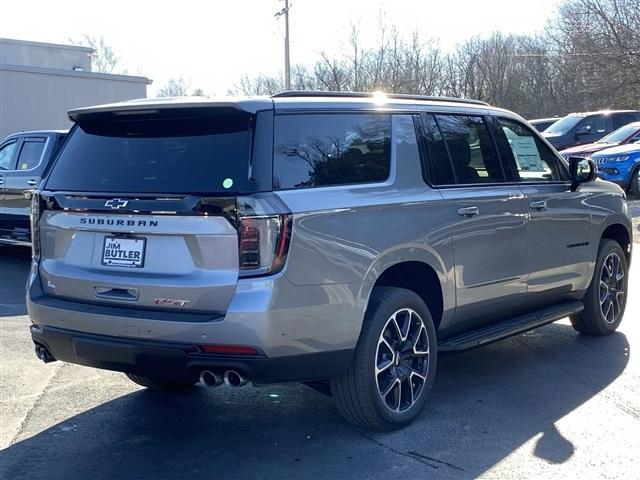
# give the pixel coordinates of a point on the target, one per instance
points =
(621, 119)
(30, 153)
(315, 150)
(170, 152)
(470, 147)
(534, 161)
(437, 168)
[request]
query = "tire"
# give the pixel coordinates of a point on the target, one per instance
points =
(358, 393)
(603, 318)
(160, 384)
(634, 185)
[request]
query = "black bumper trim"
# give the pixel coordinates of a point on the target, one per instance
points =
(171, 361)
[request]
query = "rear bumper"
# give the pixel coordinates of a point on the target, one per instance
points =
(303, 332)
(173, 361)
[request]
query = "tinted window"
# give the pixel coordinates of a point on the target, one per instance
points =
(437, 168)
(30, 153)
(6, 155)
(471, 149)
(194, 153)
(620, 119)
(593, 124)
(534, 160)
(312, 150)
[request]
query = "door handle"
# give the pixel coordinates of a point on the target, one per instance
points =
(538, 205)
(32, 182)
(468, 211)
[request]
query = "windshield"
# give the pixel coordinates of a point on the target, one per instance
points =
(563, 125)
(187, 153)
(620, 134)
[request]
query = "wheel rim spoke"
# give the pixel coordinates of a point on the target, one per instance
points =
(402, 360)
(611, 288)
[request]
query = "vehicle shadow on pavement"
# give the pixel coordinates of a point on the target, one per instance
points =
(486, 403)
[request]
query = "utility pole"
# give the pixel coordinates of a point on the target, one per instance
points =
(287, 65)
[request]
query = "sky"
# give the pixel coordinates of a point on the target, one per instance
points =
(212, 44)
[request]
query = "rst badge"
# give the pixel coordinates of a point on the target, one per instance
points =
(174, 302)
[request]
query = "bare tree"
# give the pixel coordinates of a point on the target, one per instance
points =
(175, 87)
(103, 58)
(588, 58)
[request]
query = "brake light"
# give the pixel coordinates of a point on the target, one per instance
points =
(228, 349)
(264, 232)
(34, 217)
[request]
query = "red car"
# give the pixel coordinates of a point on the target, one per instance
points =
(625, 134)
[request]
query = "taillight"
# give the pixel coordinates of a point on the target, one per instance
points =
(36, 212)
(264, 232)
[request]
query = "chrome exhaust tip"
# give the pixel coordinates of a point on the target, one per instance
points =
(43, 354)
(211, 379)
(234, 379)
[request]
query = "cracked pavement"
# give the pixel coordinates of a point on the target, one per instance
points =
(549, 403)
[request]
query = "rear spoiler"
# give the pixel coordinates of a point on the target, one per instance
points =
(152, 105)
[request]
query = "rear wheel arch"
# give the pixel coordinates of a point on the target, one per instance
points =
(421, 278)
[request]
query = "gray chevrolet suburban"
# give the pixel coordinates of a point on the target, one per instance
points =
(338, 240)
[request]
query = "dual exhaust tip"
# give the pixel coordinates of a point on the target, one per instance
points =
(43, 354)
(231, 378)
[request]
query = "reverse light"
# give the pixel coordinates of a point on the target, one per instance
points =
(264, 232)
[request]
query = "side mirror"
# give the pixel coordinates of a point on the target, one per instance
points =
(586, 130)
(582, 170)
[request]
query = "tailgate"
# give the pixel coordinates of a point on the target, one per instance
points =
(169, 262)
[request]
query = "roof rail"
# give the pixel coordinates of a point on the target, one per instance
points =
(399, 96)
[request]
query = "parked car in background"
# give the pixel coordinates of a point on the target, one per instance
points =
(23, 158)
(621, 165)
(581, 128)
(542, 124)
(339, 240)
(629, 133)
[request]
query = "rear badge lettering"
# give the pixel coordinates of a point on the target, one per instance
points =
(120, 223)
(171, 301)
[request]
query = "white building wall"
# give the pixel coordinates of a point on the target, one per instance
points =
(38, 98)
(48, 55)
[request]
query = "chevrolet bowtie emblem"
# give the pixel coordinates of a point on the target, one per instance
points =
(116, 203)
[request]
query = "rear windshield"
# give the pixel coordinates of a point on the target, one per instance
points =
(180, 153)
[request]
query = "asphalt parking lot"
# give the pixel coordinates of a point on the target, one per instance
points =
(550, 403)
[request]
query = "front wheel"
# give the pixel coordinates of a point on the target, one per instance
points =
(606, 297)
(394, 364)
(634, 185)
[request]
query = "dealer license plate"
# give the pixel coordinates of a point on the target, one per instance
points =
(125, 252)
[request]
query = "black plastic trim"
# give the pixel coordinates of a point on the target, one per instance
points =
(172, 361)
(507, 328)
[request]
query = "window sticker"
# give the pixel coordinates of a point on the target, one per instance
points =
(526, 151)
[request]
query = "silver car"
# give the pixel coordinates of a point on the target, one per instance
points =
(339, 240)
